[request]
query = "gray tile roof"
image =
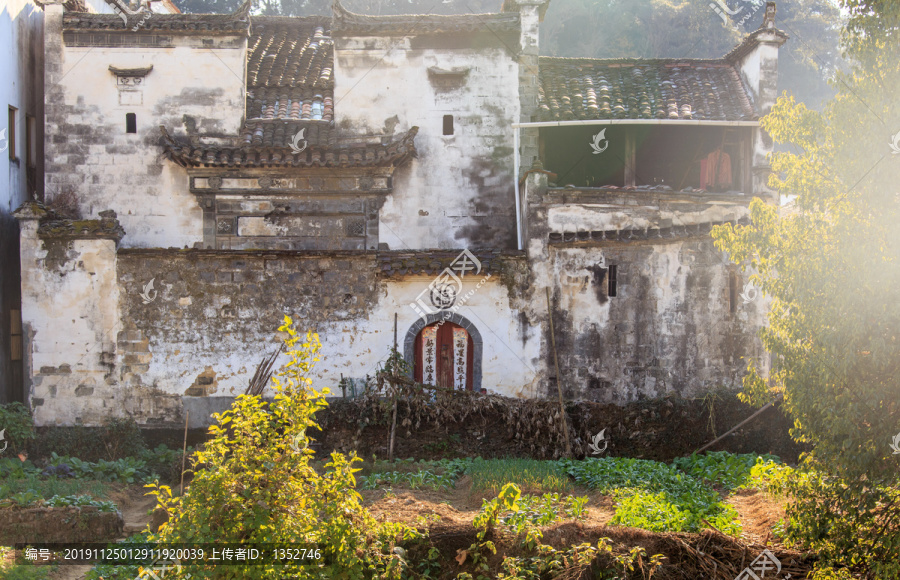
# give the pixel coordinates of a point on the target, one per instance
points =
(586, 89)
(349, 24)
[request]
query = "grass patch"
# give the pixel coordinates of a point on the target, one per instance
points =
(47, 488)
(9, 570)
(435, 475)
(531, 475)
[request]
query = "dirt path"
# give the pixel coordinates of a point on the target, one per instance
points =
(459, 506)
(758, 512)
(134, 506)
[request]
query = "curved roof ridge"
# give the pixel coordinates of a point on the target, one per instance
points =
(408, 24)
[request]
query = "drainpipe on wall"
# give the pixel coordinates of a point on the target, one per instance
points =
(518, 194)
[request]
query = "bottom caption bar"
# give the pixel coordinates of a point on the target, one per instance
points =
(182, 554)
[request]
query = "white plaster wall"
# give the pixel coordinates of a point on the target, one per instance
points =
(458, 182)
(90, 152)
(352, 348)
(70, 321)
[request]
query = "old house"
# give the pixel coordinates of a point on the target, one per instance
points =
(21, 165)
(429, 175)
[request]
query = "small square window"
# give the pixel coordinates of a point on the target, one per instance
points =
(448, 124)
(11, 137)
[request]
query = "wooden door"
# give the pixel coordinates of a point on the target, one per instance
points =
(444, 356)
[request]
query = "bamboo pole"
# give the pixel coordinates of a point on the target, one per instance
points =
(738, 426)
(187, 416)
(562, 408)
(393, 384)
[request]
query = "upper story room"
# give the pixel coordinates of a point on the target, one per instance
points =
(663, 125)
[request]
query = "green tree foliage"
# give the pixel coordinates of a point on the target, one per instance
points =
(253, 484)
(831, 269)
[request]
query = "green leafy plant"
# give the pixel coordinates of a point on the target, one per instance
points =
(13, 467)
(542, 511)
(253, 483)
(80, 501)
(654, 495)
(444, 475)
(17, 426)
(722, 468)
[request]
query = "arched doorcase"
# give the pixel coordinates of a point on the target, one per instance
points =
(409, 342)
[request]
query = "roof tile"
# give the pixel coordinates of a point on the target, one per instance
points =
(587, 89)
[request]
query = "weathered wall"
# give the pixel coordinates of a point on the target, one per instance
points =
(21, 68)
(196, 83)
(210, 317)
(459, 192)
(670, 326)
(69, 293)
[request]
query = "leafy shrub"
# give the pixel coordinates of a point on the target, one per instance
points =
(866, 536)
(721, 468)
(164, 461)
(253, 484)
(771, 477)
(17, 426)
(122, 438)
(11, 467)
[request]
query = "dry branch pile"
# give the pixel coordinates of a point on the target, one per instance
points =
(531, 425)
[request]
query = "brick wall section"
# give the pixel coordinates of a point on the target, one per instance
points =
(216, 313)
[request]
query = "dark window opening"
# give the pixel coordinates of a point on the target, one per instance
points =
(448, 124)
(707, 158)
(130, 123)
(12, 132)
(714, 159)
(612, 280)
(585, 156)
